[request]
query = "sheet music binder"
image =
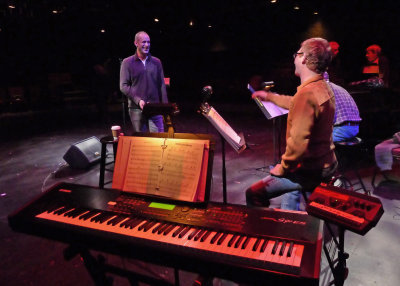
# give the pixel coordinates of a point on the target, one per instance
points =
(234, 139)
(178, 168)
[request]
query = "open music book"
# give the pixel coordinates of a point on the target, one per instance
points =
(269, 109)
(235, 140)
(166, 167)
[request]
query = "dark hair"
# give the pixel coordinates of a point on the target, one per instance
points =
(318, 54)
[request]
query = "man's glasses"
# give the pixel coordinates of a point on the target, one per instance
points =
(295, 54)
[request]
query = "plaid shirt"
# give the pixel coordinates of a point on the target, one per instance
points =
(346, 108)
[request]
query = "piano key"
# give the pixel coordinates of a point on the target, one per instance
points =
(88, 214)
(178, 231)
(205, 236)
(239, 241)
(62, 210)
(248, 249)
(116, 220)
(289, 253)
(222, 238)
(232, 240)
(193, 233)
(199, 234)
(282, 248)
(245, 243)
(275, 248)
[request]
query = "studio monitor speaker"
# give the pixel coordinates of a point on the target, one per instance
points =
(84, 153)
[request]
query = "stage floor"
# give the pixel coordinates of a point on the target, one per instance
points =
(30, 164)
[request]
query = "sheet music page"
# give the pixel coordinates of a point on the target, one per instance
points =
(273, 109)
(164, 167)
(224, 125)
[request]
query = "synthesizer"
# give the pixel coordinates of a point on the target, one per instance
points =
(229, 241)
(353, 211)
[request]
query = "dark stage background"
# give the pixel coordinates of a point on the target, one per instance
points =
(49, 48)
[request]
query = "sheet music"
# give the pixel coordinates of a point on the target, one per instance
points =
(164, 167)
(226, 128)
(273, 109)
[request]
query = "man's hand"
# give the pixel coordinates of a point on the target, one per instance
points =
(141, 104)
(277, 171)
(261, 94)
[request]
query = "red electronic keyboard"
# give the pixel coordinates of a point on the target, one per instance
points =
(219, 240)
(353, 211)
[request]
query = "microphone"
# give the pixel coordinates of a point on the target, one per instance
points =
(207, 92)
(267, 85)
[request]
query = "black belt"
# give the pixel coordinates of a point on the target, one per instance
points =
(347, 123)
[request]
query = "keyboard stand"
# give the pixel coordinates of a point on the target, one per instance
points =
(97, 268)
(339, 271)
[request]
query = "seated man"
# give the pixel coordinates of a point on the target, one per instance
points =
(377, 65)
(309, 157)
(347, 116)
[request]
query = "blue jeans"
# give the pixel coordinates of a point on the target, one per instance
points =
(290, 186)
(141, 123)
(345, 132)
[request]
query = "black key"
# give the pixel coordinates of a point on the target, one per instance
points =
(157, 228)
(275, 247)
(178, 231)
(183, 232)
(215, 237)
(74, 213)
(290, 250)
(144, 225)
(162, 227)
(246, 242)
(232, 240)
(101, 217)
(239, 241)
(256, 244)
(127, 223)
(221, 239)
(62, 210)
(193, 234)
(53, 207)
(206, 234)
(282, 248)
(199, 234)
(168, 229)
(149, 225)
(89, 214)
(264, 245)
(116, 220)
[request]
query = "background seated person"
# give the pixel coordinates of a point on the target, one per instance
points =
(377, 65)
(347, 116)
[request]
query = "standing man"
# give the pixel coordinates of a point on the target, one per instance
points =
(309, 157)
(142, 81)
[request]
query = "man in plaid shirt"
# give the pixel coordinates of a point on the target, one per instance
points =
(347, 116)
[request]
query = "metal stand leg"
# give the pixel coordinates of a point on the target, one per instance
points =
(223, 171)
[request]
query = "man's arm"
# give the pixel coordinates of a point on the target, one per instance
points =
(125, 84)
(280, 100)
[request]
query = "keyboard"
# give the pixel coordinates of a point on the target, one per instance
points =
(222, 240)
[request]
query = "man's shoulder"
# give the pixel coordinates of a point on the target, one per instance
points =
(129, 59)
(155, 59)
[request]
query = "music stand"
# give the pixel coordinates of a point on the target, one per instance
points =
(227, 134)
(164, 109)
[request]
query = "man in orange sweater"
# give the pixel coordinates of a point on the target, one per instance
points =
(309, 157)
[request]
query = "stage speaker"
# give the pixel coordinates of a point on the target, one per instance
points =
(84, 153)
